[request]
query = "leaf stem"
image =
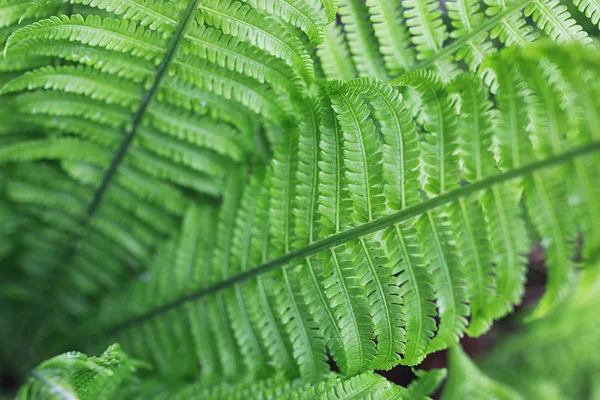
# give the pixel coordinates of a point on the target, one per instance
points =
(460, 42)
(357, 232)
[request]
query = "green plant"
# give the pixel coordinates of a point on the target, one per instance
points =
(75, 376)
(525, 363)
(239, 192)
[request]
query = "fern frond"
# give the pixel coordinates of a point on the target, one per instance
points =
(428, 32)
(469, 217)
(187, 96)
(362, 153)
(427, 382)
(554, 19)
(341, 286)
(513, 29)
(223, 331)
(354, 16)
(155, 14)
(200, 131)
(74, 150)
(11, 11)
(388, 26)
(299, 13)
(301, 328)
(67, 104)
(557, 232)
(119, 64)
(330, 7)
(227, 51)
(532, 346)
(416, 290)
(591, 9)
(363, 165)
(364, 386)
(202, 337)
(75, 376)
(263, 303)
(231, 85)
(439, 147)
(400, 151)
(466, 16)
(142, 186)
(400, 291)
(244, 323)
(306, 227)
(112, 34)
(265, 226)
(247, 24)
(80, 80)
(335, 56)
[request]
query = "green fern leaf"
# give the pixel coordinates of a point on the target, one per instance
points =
(80, 80)
(241, 176)
(428, 32)
(388, 26)
(296, 12)
(247, 24)
(556, 21)
(334, 55)
(154, 14)
(75, 376)
(226, 51)
(119, 36)
(591, 9)
(361, 39)
(513, 29)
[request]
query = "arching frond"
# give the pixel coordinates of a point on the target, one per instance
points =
(394, 43)
(116, 35)
(299, 13)
(75, 376)
(247, 24)
(591, 9)
(334, 55)
(449, 249)
(155, 14)
(85, 81)
(428, 32)
(261, 200)
(359, 32)
(227, 51)
(466, 17)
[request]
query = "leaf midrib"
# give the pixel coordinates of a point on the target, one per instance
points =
(460, 42)
(359, 231)
(250, 25)
(219, 47)
(119, 35)
(125, 144)
(271, 100)
(142, 108)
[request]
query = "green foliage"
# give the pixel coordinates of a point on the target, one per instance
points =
(245, 193)
(467, 381)
(564, 341)
(75, 376)
(363, 386)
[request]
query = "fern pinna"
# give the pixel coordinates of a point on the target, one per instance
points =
(247, 193)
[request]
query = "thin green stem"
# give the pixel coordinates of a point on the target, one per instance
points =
(357, 232)
(460, 42)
